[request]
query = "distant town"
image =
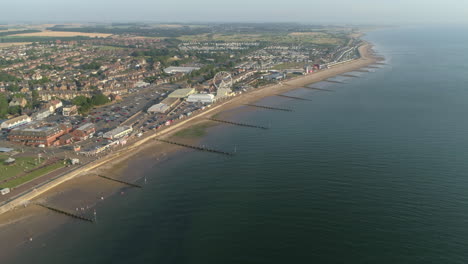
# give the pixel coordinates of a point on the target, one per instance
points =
(69, 95)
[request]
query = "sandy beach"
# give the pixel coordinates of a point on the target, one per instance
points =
(86, 189)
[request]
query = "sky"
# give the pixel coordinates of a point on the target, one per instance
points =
(305, 11)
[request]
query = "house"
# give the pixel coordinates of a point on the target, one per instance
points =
(70, 110)
(18, 102)
(56, 104)
(115, 97)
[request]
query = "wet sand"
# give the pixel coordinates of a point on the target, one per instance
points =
(80, 194)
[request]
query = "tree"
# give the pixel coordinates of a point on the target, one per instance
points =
(35, 98)
(3, 105)
(99, 99)
(14, 110)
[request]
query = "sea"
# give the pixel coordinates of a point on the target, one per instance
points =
(375, 170)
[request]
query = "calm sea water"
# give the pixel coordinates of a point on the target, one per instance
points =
(374, 172)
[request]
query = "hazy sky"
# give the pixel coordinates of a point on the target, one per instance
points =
(308, 11)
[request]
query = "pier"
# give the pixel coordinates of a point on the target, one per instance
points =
(196, 147)
(120, 181)
(270, 108)
(292, 97)
(237, 124)
(60, 211)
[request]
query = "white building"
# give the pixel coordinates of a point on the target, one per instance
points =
(201, 98)
(173, 70)
(159, 108)
(41, 114)
(15, 122)
(118, 132)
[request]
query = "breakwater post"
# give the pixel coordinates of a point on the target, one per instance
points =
(120, 181)
(332, 81)
(196, 147)
(236, 123)
(60, 211)
(362, 70)
(293, 97)
(270, 108)
(319, 89)
(350, 75)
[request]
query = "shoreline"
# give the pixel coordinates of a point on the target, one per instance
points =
(68, 191)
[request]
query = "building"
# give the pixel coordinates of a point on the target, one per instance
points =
(70, 110)
(223, 93)
(66, 139)
(18, 102)
(84, 132)
(159, 109)
(41, 114)
(201, 98)
(56, 104)
(186, 70)
(15, 122)
(181, 93)
(35, 136)
(274, 76)
(118, 132)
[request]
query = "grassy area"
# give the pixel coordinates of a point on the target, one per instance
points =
(195, 131)
(33, 175)
(290, 65)
(21, 165)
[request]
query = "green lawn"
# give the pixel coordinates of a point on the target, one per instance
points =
(21, 165)
(291, 65)
(33, 175)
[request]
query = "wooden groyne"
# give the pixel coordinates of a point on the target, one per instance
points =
(120, 181)
(350, 75)
(236, 123)
(362, 70)
(270, 108)
(332, 81)
(197, 147)
(292, 97)
(60, 211)
(373, 67)
(319, 89)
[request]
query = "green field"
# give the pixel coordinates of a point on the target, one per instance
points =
(290, 65)
(23, 164)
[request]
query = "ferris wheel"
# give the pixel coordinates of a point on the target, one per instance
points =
(222, 80)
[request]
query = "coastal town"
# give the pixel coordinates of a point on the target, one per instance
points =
(66, 102)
